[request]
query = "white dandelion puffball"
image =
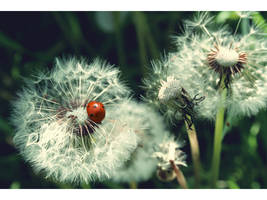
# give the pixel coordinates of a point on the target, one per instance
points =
(169, 150)
(150, 129)
(56, 134)
(204, 56)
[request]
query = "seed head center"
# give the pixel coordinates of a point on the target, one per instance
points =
(227, 57)
(79, 113)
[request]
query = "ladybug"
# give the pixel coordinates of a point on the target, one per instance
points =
(96, 111)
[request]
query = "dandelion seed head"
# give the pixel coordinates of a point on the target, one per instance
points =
(80, 113)
(227, 57)
(201, 60)
(150, 130)
(54, 132)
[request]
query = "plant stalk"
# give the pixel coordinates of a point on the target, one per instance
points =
(217, 145)
(133, 185)
(179, 175)
(192, 135)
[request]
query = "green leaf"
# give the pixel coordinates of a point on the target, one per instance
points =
(259, 20)
(225, 15)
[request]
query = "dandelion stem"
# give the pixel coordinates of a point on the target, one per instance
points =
(217, 146)
(192, 135)
(133, 185)
(179, 174)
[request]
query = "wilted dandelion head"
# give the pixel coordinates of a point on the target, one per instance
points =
(150, 130)
(170, 90)
(55, 132)
(165, 152)
(174, 97)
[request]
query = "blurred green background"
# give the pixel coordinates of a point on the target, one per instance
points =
(29, 41)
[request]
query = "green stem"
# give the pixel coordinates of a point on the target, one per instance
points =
(244, 26)
(192, 135)
(218, 135)
(133, 185)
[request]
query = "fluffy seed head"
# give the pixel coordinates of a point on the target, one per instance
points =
(150, 130)
(226, 60)
(203, 56)
(227, 57)
(54, 132)
(80, 114)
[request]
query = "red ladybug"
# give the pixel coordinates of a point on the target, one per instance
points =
(96, 111)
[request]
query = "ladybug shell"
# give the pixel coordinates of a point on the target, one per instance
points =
(96, 111)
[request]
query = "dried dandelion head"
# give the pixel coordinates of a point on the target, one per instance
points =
(173, 97)
(166, 152)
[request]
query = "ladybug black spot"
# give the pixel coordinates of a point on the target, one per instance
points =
(91, 115)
